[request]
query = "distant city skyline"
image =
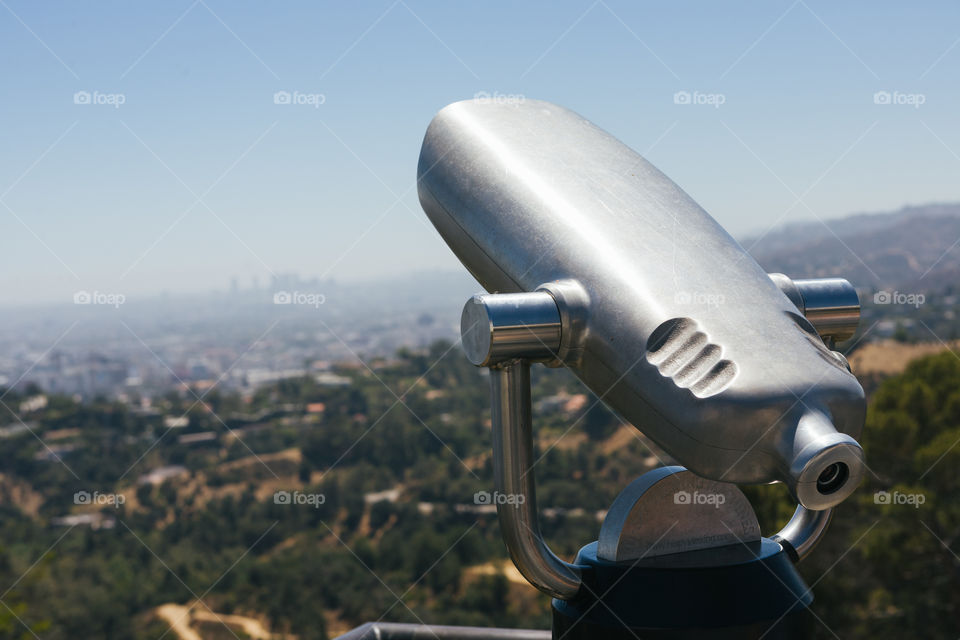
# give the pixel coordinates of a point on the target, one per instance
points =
(171, 147)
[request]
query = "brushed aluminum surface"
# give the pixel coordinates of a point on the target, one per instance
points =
(683, 334)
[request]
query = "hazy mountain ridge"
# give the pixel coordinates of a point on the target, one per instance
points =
(913, 248)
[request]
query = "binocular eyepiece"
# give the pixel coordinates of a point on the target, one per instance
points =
(602, 264)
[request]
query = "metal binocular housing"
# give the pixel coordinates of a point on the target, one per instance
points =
(596, 261)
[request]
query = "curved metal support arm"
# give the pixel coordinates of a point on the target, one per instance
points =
(516, 494)
(801, 534)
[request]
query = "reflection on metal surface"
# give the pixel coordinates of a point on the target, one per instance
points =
(831, 305)
(670, 510)
(501, 327)
(804, 530)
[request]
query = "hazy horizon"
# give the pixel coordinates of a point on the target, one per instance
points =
(452, 269)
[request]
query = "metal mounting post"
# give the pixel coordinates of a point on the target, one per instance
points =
(506, 332)
(513, 473)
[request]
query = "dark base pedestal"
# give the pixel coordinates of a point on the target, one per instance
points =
(738, 592)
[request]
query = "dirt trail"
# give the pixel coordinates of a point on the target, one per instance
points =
(178, 617)
(181, 617)
(494, 567)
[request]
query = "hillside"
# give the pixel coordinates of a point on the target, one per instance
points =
(912, 249)
(320, 502)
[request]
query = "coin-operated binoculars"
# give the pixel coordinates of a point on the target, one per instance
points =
(598, 262)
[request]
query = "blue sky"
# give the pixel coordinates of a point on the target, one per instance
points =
(199, 176)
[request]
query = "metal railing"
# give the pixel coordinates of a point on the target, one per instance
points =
(397, 631)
